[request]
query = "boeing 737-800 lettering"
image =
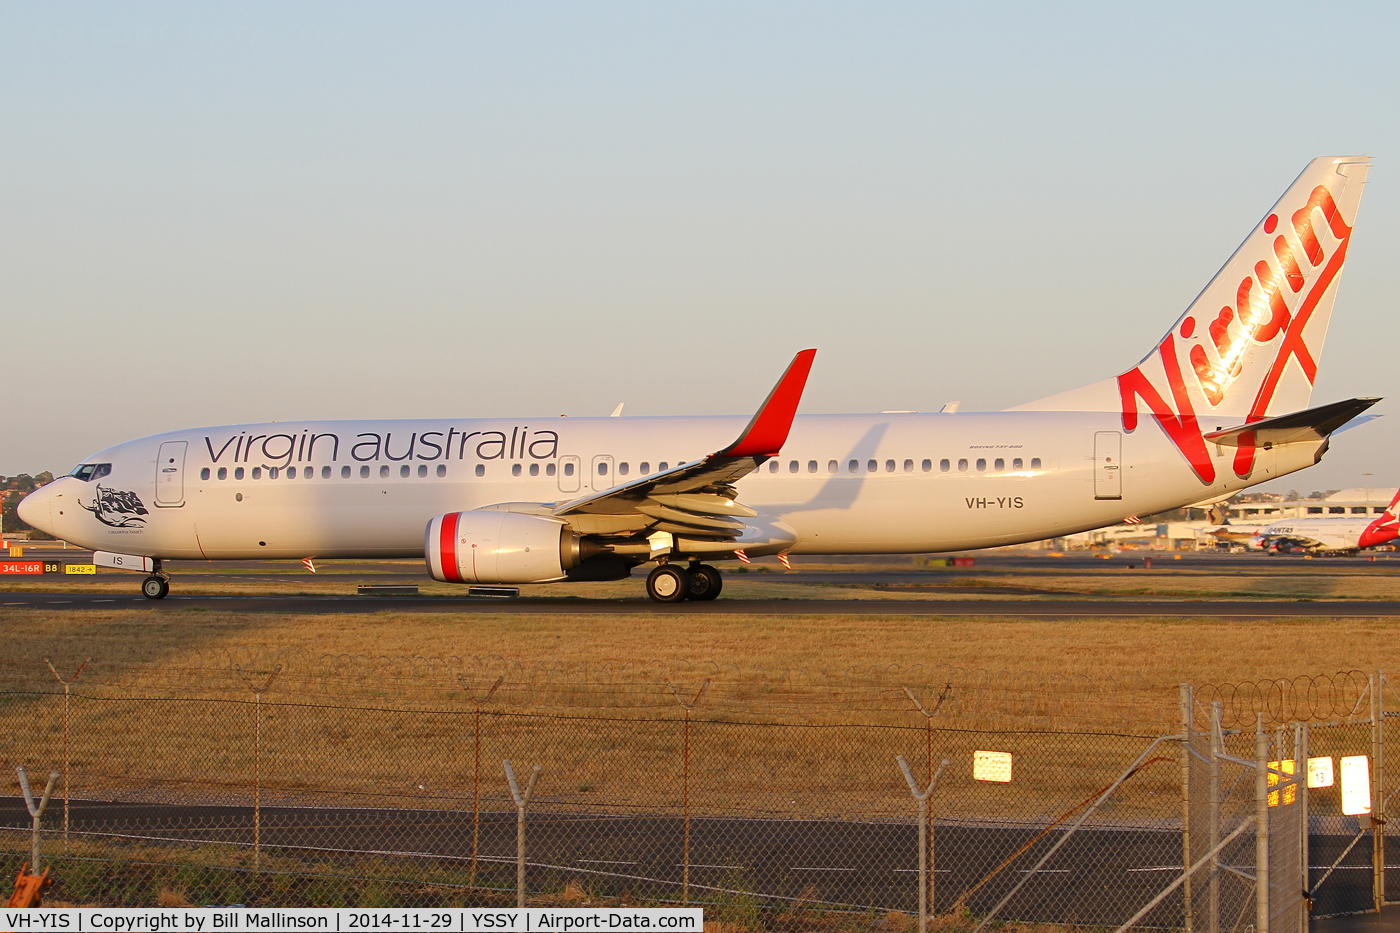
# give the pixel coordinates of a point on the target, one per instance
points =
(1218, 404)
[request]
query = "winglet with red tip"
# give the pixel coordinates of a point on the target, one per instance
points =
(768, 431)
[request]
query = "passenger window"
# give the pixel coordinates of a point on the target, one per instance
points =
(1035, 463)
(792, 466)
(404, 471)
(257, 472)
(622, 468)
(908, 466)
(223, 472)
(811, 466)
(644, 467)
(384, 471)
(515, 469)
(442, 469)
(549, 469)
(568, 470)
(481, 469)
(853, 466)
(889, 466)
(1016, 464)
(603, 468)
(981, 465)
(999, 465)
(204, 473)
(422, 470)
(364, 472)
(345, 472)
(962, 466)
(272, 472)
(662, 466)
(944, 466)
(534, 469)
(872, 466)
(832, 466)
(928, 466)
(292, 472)
(772, 466)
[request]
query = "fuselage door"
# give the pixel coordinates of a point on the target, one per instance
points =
(602, 476)
(568, 474)
(170, 474)
(1108, 465)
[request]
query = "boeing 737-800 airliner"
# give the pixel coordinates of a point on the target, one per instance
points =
(1218, 404)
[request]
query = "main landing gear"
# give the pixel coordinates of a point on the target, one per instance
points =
(672, 583)
(157, 585)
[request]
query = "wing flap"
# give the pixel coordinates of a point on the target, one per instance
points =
(705, 522)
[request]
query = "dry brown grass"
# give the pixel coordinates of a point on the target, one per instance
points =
(1163, 651)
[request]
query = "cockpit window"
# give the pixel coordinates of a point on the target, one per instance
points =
(87, 472)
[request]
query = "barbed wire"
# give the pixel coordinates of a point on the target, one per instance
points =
(1304, 698)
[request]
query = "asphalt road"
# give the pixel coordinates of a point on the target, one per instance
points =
(845, 863)
(1037, 608)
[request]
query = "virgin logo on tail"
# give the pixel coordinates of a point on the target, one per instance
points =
(1386, 528)
(1272, 307)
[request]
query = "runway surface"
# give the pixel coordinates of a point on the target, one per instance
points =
(1040, 608)
(851, 864)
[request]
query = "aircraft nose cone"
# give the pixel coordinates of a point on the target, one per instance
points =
(36, 509)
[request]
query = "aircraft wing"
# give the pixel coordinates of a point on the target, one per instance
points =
(1313, 424)
(697, 498)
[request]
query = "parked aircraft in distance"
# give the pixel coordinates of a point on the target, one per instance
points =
(1220, 403)
(1336, 534)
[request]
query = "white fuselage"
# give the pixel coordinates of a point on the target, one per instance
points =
(367, 489)
(1321, 533)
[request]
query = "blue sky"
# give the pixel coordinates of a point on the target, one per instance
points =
(246, 212)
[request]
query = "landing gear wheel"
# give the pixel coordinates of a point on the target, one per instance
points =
(705, 582)
(154, 587)
(668, 584)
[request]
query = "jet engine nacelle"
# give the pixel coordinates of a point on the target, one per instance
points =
(501, 547)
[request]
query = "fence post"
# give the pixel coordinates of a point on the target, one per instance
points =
(257, 757)
(66, 712)
(35, 812)
(476, 768)
(925, 860)
(1378, 789)
(928, 720)
(521, 802)
(1261, 831)
(1304, 751)
(1217, 748)
(685, 796)
(1188, 720)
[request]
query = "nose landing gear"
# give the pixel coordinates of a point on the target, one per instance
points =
(157, 585)
(154, 587)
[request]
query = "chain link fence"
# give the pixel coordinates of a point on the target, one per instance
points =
(282, 779)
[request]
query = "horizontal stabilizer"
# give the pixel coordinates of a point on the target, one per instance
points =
(1314, 424)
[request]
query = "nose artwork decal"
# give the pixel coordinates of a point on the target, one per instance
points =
(117, 508)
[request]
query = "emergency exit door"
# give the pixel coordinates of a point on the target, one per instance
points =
(1108, 465)
(170, 474)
